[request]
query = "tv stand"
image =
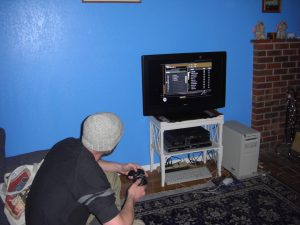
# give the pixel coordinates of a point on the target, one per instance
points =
(157, 128)
(178, 118)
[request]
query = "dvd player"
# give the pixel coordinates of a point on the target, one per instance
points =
(186, 138)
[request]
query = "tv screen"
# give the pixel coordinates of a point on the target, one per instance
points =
(183, 84)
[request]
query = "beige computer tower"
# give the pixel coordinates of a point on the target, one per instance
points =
(240, 149)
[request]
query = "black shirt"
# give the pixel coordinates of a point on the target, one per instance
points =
(68, 187)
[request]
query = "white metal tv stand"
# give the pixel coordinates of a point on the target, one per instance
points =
(157, 128)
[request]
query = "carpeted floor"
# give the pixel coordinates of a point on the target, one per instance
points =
(260, 200)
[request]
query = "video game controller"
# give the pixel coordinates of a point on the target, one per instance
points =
(139, 174)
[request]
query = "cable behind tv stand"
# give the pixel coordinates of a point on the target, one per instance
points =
(179, 118)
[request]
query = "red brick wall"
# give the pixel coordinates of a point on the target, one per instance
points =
(276, 66)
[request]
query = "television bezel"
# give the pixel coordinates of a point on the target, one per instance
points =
(151, 83)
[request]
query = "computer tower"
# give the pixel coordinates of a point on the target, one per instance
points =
(240, 149)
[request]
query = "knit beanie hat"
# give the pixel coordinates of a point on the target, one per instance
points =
(102, 132)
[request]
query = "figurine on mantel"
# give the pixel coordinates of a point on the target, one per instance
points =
(281, 30)
(259, 31)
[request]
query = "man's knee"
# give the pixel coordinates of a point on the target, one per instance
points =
(115, 183)
(138, 222)
(114, 180)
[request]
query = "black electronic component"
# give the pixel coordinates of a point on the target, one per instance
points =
(139, 174)
(186, 138)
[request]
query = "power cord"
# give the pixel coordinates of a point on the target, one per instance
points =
(169, 161)
(194, 160)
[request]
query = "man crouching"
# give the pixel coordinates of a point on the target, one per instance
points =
(74, 186)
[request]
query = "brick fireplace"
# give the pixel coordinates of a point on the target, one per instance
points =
(276, 66)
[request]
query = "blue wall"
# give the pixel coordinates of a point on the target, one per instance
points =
(63, 60)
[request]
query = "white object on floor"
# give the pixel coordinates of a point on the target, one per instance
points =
(187, 175)
(227, 181)
(241, 149)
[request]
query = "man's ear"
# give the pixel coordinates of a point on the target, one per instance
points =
(106, 153)
(110, 152)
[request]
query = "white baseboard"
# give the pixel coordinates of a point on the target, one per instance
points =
(147, 167)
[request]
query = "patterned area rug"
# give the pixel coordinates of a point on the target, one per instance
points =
(260, 200)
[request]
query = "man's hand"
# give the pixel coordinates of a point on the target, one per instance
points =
(136, 192)
(122, 168)
(125, 168)
(126, 215)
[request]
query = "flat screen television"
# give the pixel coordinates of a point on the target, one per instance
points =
(183, 85)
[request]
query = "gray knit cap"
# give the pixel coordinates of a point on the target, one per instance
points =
(102, 132)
